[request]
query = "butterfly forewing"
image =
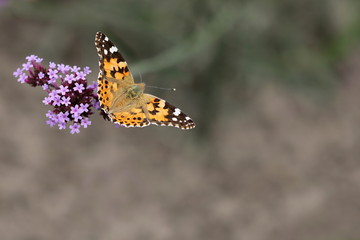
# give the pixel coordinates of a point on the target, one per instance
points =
(112, 63)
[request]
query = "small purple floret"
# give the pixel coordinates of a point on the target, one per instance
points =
(87, 70)
(75, 128)
(79, 87)
(52, 65)
(63, 90)
(31, 58)
(56, 101)
(70, 78)
(27, 66)
(22, 78)
(47, 100)
(85, 122)
(62, 125)
(41, 75)
(75, 69)
(17, 73)
(65, 101)
(63, 68)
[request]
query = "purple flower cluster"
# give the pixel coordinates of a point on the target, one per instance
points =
(72, 98)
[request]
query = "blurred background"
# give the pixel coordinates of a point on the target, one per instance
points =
(272, 85)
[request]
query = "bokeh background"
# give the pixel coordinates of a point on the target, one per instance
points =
(272, 85)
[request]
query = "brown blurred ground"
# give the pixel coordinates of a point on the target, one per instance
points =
(281, 166)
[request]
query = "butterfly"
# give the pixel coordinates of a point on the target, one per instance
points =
(124, 101)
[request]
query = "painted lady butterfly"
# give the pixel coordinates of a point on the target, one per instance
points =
(125, 101)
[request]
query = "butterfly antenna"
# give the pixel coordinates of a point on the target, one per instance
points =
(140, 77)
(168, 89)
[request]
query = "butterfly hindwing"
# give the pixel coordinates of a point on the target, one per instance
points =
(162, 113)
(135, 117)
(105, 95)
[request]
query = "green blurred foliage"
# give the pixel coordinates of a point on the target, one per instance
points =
(217, 53)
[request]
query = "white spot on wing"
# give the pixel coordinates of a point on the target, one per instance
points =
(106, 39)
(177, 112)
(105, 52)
(174, 119)
(113, 49)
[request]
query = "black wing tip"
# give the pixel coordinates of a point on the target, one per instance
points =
(191, 124)
(99, 34)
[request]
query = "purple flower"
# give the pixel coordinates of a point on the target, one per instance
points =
(45, 87)
(38, 60)
(63, 68)
(52, 65)
(84, 107)
(79, 87)
(85, 122)
(76, 113)
(75, 69)
(56, 100)
(17, 73)
(49, 114)
(53, 94)
(87, 70)
(52, 118)
(52, 81)
(65, 101)
(63, 90)
(73, 100)
(75, 110)
(62, 125)
(47, 100)
(27, 66)
(41, 75)
(75, 128)
(50, 122)
(96, 104)
(22, 78)
(53, 73)
(70, 78)
(93, 85)
(77, 117)
(80, 75)
(31, 58)
(63, 117)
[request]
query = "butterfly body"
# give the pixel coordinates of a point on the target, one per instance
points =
(125, 101)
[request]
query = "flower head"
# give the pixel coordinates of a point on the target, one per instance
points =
(68, 92)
